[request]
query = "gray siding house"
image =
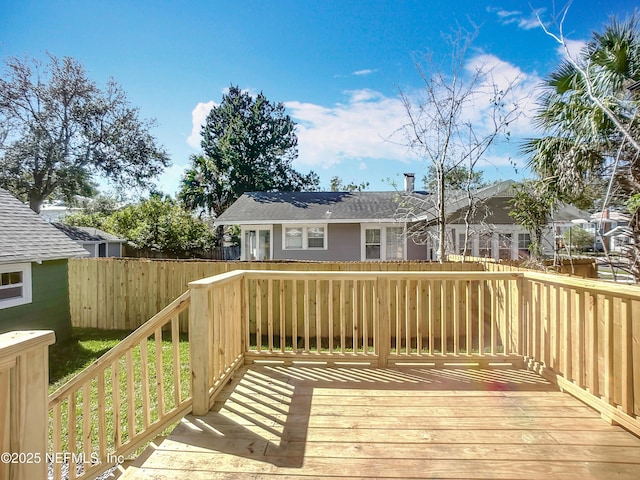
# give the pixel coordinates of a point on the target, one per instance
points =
(34, 291)
(337, 226)
(370, 226)
(97, 242)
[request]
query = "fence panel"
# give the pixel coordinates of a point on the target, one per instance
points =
(122, 293)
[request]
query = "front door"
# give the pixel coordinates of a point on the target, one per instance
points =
(257, 244)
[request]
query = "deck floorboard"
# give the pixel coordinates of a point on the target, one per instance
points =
(319, 422)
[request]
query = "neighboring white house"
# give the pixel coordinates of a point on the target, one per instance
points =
(95, 241)
(53, 212)
(610, 226)
(369, 226)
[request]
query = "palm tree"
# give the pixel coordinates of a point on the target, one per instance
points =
(588, 113)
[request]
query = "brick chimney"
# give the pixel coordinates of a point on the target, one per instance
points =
(409, 182)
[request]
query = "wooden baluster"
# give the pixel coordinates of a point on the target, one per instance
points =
(159, 371)
(131, 407)
(294, 315)
(72, 432)
(342, 316)
(144, 381)
(175, 350)
(115, 400)
(57, 441)
(270, 331)
(86, 420)
(258, 315)
(102, 420)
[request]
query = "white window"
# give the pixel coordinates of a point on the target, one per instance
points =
(382, 242)
(504, 246)
(293, 238)
(304, 237)
(485, 244)
(524, 241)
(395, 243)
(15, 285)
(465, 244)
(372, 243)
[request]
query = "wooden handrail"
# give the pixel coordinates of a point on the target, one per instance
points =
(217, 280)
(147, 329)
(600, 286)
(373, 275)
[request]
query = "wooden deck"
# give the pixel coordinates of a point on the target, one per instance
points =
(307, 421)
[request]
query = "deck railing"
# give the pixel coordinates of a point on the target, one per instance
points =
(585, 335)
(122, 400)
(382, 317)
(23, 404)
(582, 334)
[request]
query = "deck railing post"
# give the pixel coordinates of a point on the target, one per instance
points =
(200, 341)
(383, 336)
(24, 406)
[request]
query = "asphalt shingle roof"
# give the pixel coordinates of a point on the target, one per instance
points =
(26, 237)
(86, 234)
(268, 207)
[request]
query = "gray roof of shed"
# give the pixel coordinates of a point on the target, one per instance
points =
(314, 207)
(26, 237)
(86, 234)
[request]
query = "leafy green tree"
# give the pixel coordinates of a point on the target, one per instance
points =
(157, 223)
(337, 185)
(531, 207)
(160, 223)
(95, 212)
(456, 177)
(249, 144)
(578, 238)
(589, 116)
(58, 130)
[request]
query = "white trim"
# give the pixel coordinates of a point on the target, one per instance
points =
(383, 240)
(476, 230)
(26, 297)
(321, 221)
(305, 236)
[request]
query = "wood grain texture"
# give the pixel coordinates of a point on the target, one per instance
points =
(353, 422)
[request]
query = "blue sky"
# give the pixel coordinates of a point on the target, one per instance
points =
(337, 65)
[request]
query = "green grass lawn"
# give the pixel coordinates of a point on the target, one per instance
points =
(88, 344)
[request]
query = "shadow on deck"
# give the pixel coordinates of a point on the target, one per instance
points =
(312, 421)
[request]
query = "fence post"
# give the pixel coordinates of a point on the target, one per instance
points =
(382, 328)
(24, 405)
(201, 341)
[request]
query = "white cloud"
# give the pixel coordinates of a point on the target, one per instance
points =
(355, 130)
(523, 21)
(508, 13)
(573, 46)
(509, 78)
(368, 125)
(366, 71)
(198, 118)
(530, 22)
